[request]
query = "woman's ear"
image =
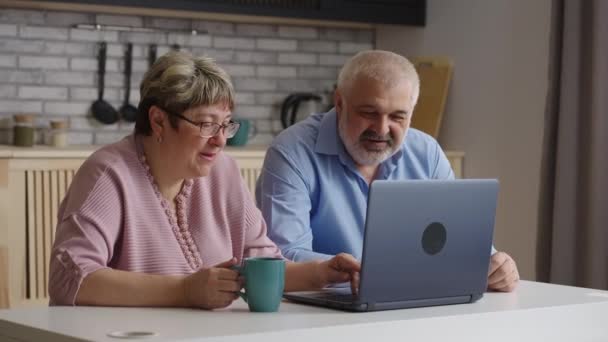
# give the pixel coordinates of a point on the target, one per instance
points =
(156, 116)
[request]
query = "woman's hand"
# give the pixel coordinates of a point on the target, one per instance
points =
(341, 268)
(212, 288)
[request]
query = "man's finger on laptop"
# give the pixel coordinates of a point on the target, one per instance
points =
(506, 269)
(347, 262)
(507, 283)
(354, 283)
(496, 261)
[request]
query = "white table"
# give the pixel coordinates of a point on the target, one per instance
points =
(535, 312)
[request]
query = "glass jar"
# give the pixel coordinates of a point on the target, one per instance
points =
(58, 133)
(23, 131)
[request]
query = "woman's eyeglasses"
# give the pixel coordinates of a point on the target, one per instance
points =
(211, 129)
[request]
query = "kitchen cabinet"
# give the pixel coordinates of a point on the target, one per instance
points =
(398, 12)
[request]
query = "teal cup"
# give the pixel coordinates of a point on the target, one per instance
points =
(264, 283)
(246, 131)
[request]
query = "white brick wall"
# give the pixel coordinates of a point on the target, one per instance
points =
(46, 93)
(298, 58)
(8, 61)
(8, 91)
(43, 32)
(48, 67)
(276, 44)
(68, 78)
(317, 72)
(255, 57)
(238, 70)
(190, 40)
(298, 32)
(276, 72)
(93, 36)
(233, 43)
(256, 30)
(41, 62)
(352, 48)
(8, 30)
(319, 46)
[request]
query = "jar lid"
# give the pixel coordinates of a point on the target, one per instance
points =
(59, 124)
(23, 118)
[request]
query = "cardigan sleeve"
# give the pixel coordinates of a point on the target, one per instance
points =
(89, 225)
(257, 242)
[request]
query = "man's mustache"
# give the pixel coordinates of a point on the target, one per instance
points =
(371, 135)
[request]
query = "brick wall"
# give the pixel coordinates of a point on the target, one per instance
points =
(49, 68)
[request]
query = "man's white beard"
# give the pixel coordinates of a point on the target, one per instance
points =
(361, 155)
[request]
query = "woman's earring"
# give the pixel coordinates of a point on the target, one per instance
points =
(159, 139)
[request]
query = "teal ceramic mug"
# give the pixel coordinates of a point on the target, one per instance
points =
(246, 131)
(264, 283)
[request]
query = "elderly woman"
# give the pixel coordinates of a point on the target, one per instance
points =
(159, 218)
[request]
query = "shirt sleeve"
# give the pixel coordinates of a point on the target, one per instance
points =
(283, 196)
(443, 169)
(88, 228)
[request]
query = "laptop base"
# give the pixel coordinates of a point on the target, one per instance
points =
(356, 306)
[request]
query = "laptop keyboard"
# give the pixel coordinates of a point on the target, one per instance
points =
(338, 297)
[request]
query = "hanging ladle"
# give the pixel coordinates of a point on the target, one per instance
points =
(128, 111)
(102, 110)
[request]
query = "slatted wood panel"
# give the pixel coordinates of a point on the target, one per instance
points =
(45, 189)
(250, 176)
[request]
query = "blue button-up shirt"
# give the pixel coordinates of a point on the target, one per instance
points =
(314, 199)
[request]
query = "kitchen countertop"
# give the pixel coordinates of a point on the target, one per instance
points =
(83, 151)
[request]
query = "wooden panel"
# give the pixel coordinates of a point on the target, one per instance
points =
(31, 235)
(46, 227)
(17, 239)
(249, 176)
(435, 74)
(39, 235)
(456, 161)
(54, 200)
(4, 278)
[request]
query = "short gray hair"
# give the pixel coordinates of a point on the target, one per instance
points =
(178, 81)
(384, 66)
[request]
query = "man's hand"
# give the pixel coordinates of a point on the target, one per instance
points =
(341, 268)
(212, 288)
(503, 274)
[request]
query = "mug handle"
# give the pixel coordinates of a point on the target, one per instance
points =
(239, 269)
(253, 131)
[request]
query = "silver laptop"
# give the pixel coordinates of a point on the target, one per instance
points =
(427, 242)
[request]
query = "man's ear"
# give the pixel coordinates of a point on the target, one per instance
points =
(338, 102)
(156, 116)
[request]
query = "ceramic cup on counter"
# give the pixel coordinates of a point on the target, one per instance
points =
(264, 283)
(246, 131)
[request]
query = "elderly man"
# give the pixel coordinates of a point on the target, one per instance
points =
(316, 177)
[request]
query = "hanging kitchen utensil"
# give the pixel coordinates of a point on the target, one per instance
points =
(291, 105)
(128, 111)
(102, 110)
(151, 55)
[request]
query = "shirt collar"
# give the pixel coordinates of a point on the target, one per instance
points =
(328, 140)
